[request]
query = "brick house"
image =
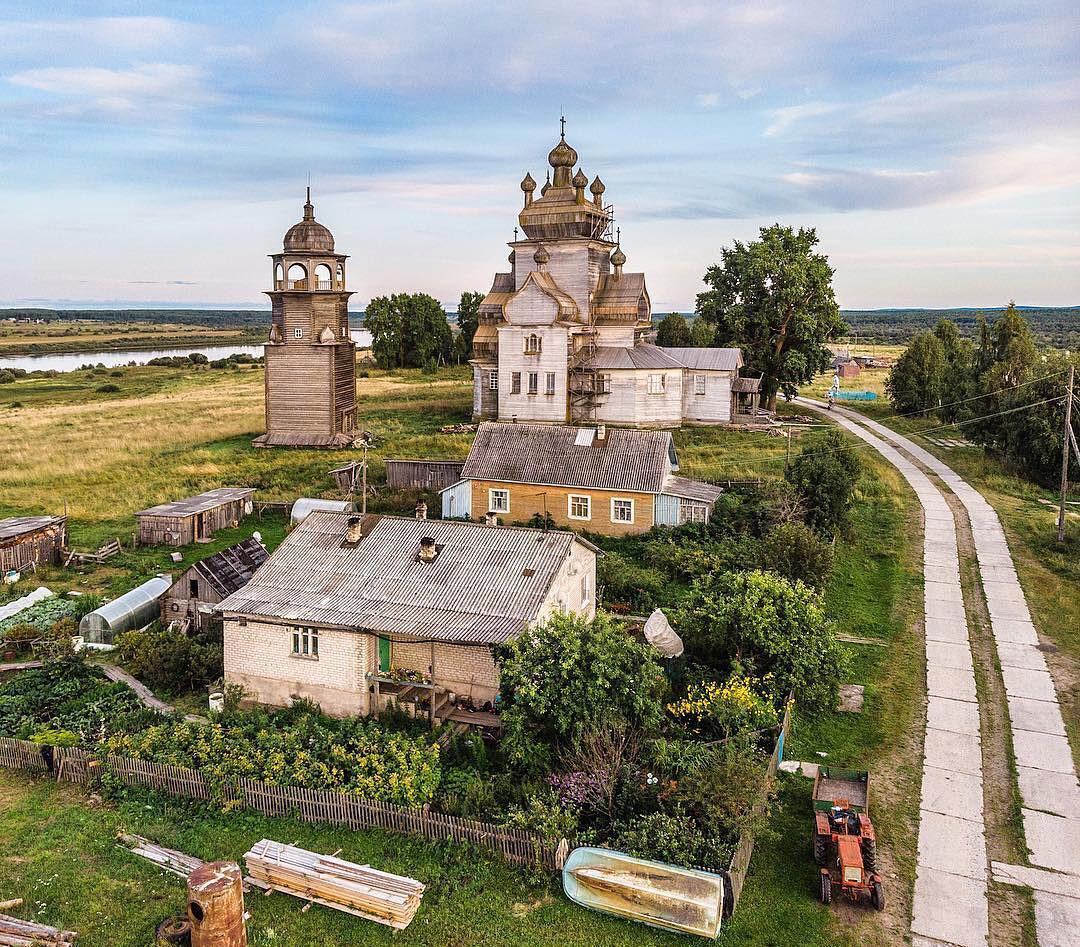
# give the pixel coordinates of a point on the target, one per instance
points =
(354, 611)
(613, 481)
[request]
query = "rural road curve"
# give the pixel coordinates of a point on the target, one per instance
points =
(950, 905)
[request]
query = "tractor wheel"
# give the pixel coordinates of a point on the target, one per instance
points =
(821, 850)
(869, 855)
(877, 896)
(174, 931)
(826, 888)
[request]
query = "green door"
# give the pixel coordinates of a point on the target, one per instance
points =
(384, 655)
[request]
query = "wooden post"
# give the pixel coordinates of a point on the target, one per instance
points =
(1065, 453)
(216, 906)
(363, 498)
(431, 693)
(787, 453)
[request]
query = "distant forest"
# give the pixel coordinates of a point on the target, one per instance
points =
(1056, 327)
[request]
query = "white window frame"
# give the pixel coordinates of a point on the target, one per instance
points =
(298, 332)
(534, 383)
(534, 344)
(633, 510)
(493, 381)
(586, 591)
(699, 385)
(570, 506)
(515, 383)
(657, 384)
(305, 642)
(504, 495)
(604, 382)
(549, 383)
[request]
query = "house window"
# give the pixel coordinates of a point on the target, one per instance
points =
(534, 382)
(298, 333)
(493, 381)
(656, 384)
(549, 383)
(515, 383)
(622, 511)
(579, 507)
(532, 344)
(193, 588)
(305, 642)
(586, 590)
(699, 384)
(603, 384)
(499, 501)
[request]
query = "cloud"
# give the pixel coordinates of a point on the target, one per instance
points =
(784, 117)
(90, 34)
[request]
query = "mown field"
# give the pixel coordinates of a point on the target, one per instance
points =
(172, 432)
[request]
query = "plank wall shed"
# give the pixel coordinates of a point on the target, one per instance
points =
(31, 540)
(181, 522)
(203, 584)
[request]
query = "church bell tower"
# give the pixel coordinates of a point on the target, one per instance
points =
(310, 355)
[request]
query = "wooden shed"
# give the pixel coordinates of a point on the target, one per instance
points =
(30, 541)
(202, 585)
(195, 519)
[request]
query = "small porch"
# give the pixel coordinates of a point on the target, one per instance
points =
(745, 400)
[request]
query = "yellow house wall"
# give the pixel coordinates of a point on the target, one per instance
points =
(526, 500)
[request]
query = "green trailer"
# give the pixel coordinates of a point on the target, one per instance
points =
(848, 788)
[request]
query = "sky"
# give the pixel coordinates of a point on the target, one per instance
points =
(154, 154)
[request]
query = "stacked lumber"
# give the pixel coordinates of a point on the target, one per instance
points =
(377, 896)
(168, 858)
(16, 933)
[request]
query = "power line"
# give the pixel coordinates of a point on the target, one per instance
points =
(987, 394)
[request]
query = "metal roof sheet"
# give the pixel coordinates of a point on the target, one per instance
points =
(745, 384)
(475, 592)
(198, 504)
(707, 359)
(692, 489)
(641, 356)
(232, 568)
(625, 459)
(15, 526)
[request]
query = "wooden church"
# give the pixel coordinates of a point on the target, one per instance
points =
(310, 355)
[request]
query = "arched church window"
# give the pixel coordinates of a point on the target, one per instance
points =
(323, 277)
(297, 276)
(532, 344)
(279, 275)
(341, 275)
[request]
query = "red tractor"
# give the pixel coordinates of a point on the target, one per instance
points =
(844, 845)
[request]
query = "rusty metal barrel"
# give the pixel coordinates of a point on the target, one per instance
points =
(216, 906)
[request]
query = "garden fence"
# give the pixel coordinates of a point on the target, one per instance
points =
(311, 805)
(23, 755)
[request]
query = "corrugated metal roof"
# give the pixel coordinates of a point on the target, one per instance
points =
(549, 454)
(632, 356)
(232, 568)
(475, 592)
(710, 359)
(15, 526)
(745, 384)
(692, 489)
(198, 504)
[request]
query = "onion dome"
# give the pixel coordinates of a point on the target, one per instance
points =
(562, 155)
(597, 187)
(528, 185)
(547, 184)
(327, 335)
(541, 256)
(309, 234)
(618, 258)
(512, 258)
(580, 180)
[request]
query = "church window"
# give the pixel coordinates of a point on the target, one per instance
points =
(699, 384)
(604, 384)
(549, 383)
(656, 384)
(298, 333)
(515, 383)
(493, 381)
(534, 381)
(532, 344)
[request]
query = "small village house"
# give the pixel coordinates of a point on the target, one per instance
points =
(603, 480)
(30, 541)
(195, 519)
(190, 600)
(354, 611)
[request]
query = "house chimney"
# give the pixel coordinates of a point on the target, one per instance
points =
(601, 432)
(353, 530)
(428, 549)
(421, 509)
(491, 518)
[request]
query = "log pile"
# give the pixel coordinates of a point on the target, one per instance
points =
(323, 879)
(16, 933)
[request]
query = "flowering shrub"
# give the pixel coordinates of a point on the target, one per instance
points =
(577, 790)
(718, 710)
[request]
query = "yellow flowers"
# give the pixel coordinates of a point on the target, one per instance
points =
(723, 708)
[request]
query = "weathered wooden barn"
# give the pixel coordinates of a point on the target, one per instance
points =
(614, 481)
(195, 519)
(30, 541)
(190, 599)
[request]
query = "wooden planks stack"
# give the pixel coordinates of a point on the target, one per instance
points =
(357, 889)
(169, 859)
(16, 933)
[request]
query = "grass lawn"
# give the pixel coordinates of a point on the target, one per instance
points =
(173, 432)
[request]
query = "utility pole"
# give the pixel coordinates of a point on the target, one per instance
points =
(1065, 453)
(787, 454)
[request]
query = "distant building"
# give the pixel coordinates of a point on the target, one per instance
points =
(563, 337)
(348, 608)
(30, 541)
(189, 601)
(310, 355)
(195, 519)
(846, 369)
(604, 480)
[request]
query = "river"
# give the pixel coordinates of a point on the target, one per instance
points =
(112, 358)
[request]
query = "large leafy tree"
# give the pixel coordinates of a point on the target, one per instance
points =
(408, 330)
(773, 298)
(917, 381)
(958, 385)
(825, 474)
(674, 332)
(468, 318)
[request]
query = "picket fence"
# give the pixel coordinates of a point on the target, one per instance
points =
(22, 755)
(311, 805)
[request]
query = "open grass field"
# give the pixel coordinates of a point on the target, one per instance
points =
(172, 432)
(28, 338)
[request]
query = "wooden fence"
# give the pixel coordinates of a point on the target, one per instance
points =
(313, 805)
(23, 755)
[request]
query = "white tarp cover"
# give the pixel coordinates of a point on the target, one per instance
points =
(660, 634)
(13, 608)
(305, 505)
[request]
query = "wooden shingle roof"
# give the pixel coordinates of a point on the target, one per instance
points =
(559, 455)
(15, 526)
(232, 568)
(198, 504)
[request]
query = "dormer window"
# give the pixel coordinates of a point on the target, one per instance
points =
(532, 344)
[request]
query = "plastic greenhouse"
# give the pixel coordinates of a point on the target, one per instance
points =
(133, 609)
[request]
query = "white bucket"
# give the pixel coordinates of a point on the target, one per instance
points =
(217, 702)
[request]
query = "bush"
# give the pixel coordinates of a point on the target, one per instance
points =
(628, 586)
(762, 626)
(672, 837)
(825, 474)
(718, 711)
(108, 389)
(795, 551)
(171, 660)
(546, 817)
(6, 376)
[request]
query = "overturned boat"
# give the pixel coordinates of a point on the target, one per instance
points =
(665, 896)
